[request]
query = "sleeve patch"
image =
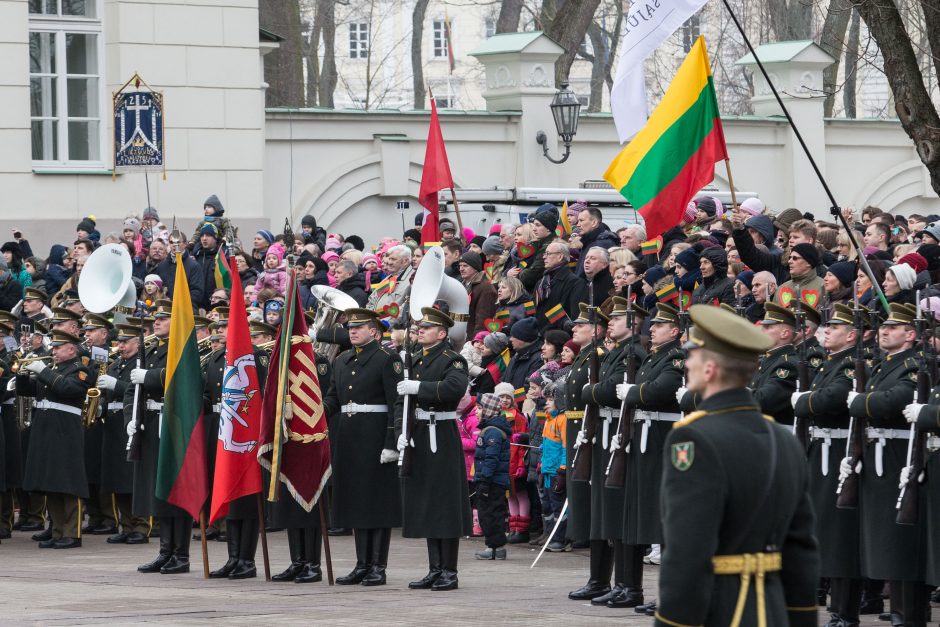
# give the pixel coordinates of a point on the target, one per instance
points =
(396, 366)
(783, 373)
(82, 375)
(682, 455)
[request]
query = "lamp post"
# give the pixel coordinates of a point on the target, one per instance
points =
(565, 109)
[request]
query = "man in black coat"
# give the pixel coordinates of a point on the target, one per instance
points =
(526, 354)
(351, 282)
(558, 286)
(596, 265)
(204, 253)
(166, 270)
(590, 232)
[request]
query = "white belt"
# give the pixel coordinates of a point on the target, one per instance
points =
(10, 401)
(58, 407)
(431, 417)
(217, 408)
(881, 436)
(154, 405)
(608, 414)
(356, 408)
(827, 435)
(115, 406)
(647, 418)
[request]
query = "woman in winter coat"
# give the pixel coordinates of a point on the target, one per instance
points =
(511, 296)
(36, 268)
(246, 272)
(314, 273)
(839, 282)
(56, 273)
(716, 287)
(14, 259)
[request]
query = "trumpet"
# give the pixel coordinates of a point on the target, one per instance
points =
(15, 368)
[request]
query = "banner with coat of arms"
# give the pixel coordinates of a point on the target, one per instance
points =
(138, 128)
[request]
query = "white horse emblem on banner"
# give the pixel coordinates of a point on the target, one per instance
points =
(235, 401)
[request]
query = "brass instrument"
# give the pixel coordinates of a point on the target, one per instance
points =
(15, 368)
(93, 401)
(332, 303)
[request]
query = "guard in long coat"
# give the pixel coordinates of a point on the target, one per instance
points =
(435, 498)
(55, 466)
(927, 418)
(776, 377)
(175, 524)
(825, 405)
(365, 407)
(117, 474)
(887, 547)
(738, 545)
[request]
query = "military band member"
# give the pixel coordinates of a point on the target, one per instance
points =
(201, 326)
(589, 337)
(776, 377)
(55, 466)
(32, 335)
(33, 306)
(887, 547)
(825, 405)
(12, 456)
(213, 366)
(365, 407)
(175, 524)
(117, 474)
(737, 518)
(607, 503)
(435, 498)
(262, 333)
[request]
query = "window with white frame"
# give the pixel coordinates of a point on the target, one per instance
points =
(66, 83)
(439, 29)
(358, 40)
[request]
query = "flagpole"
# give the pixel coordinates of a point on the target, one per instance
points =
(734, 197)
(324, 533)
(205, 549)
(264, 535)
(453, 195)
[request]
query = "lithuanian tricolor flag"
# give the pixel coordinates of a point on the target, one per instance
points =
(181, 465)
(556, 313)
(498, 366)
(223, 278)
(653, 246)
(674, 155)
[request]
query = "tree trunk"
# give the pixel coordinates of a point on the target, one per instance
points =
(283, 68)
(833, 34)
(851, 67)
(776, 13)
(932, 23)
(328, 75)
(417, 37)
(313, 59)
(509, 13)
(568, 28)
(597, 68)
(799, 20)
(915, 110)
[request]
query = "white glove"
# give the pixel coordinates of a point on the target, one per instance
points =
(912, 411)
(680, 393)
(578, 441)
(623, 389)
(615, 441)
(35, 366)
(795, 397)
(11, 384)
(388, 456)
(131, 430)
(408, 386)
(106, 382)
(137, 376)
(851, 398)
(402, 443)
(906, 476)
(845, 468)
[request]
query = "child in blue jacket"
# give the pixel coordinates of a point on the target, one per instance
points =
(491, 474)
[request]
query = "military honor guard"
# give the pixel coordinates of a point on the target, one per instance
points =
(12, 456)
(365, 407)
(55, 466)
(435, 498)
(776, 377)
(737, 518)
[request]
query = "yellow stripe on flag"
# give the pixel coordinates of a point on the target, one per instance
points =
(181, 322)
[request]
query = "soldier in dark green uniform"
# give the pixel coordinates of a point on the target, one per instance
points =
(776, 377)
(55, 466)
(590, 338)
(12, 456)
(365, 407)
(737, 517)
(607, 503)
(825, 405)
(807, 342)
(887, 547)
(117, 474)
(213, 369)
(175, 524)
(435, 499)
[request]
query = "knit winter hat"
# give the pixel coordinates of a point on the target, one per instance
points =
(473, 260)
(151, 214)
(845, 271)
(277, 251)
(267, 235)
(688, 259)
(930, 252)
(707, 205)
(214, 202)
(489, 406)
(480, 336)
(573, 347)
(479, 240)
(154, 278)
(329, 256)
(332, 243)
(904, 274)
(689, 215)
(209, 229)
(308, 220)
(654, 274)
(504, 389)
(492, 246)
(133, 224)
(370, 257)
(496, 342)
(808, 252)
(787, 217)
(446, 225)
(915, 261)
(526, 330)
(746, 277)
(547, 216)
(87, 224)
(753, 206)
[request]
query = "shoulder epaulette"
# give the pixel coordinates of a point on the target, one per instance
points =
(695, 415)
(768, 417)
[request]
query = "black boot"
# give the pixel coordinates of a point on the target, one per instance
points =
(915, 599)
(295, 546)
(845, 597)
(381, 539)
(181, 528)
(234, 534)
(434, 567)
(166, 548)
(632, 557)
(361, 569)
(601, 565)
(312, 543)
(619, 576)
(246, 550)
(872, 603)
(449, 554)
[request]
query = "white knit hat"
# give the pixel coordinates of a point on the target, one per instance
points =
(504, 389)
(904, 274)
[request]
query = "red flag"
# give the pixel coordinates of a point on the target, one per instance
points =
(294, 435)
(237, 472)
(435, 177)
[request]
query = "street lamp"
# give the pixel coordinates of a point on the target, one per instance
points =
(565, 109)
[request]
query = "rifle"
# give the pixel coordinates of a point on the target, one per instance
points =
(801, 425)
(847, 491)
(909, 497)
(140, 400)
(409, 419)
(738, 307)
(617, 466)
(583, 456)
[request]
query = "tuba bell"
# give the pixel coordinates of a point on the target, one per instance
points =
(331, 304)
(106, 282)
(431, 284)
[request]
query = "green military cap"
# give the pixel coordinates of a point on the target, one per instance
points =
(60, 337)
(584, 317)
(777, 314)
(218, 324)
(722, 332)
(162, 308)
(621, 305)
(7, 326)
(33, 293)
(41, 326)
(96, 321)
(61, 314)
(842, 314)
(356, 316)
(127, 331)
(223, 312)
(728, 308)
(262, 328)
(431, 317)
(901, 313)
(6, 316)
(665, 313)
(201, 322)
(810, 314)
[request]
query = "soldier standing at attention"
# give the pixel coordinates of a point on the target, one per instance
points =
(776, 377)
(737, 518)
(435, 498)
